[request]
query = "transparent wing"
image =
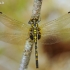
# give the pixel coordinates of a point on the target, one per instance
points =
(17, 39)
(12, 23)
(57, 30)
(15, 33)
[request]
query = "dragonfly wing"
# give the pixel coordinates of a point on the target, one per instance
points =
(12, 23)
(15, 32)
(57, 30)
(16, 38)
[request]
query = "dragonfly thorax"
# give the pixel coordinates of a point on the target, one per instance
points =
(34, 30)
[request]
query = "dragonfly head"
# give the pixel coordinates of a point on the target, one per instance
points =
(33, 20)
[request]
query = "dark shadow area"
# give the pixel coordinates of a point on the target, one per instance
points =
(53, 47)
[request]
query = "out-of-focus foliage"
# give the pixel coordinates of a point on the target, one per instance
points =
(15, 8)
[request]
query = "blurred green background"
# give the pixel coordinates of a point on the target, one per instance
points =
(21, 10)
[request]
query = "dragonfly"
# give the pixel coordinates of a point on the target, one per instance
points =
(58, 28)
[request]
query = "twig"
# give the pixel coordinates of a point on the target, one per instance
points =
(36, 8)
(29, 43)
(26, 55)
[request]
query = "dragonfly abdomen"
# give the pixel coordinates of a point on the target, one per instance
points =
(35, 41)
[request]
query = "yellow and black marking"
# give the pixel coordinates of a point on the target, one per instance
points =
(34, 35)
